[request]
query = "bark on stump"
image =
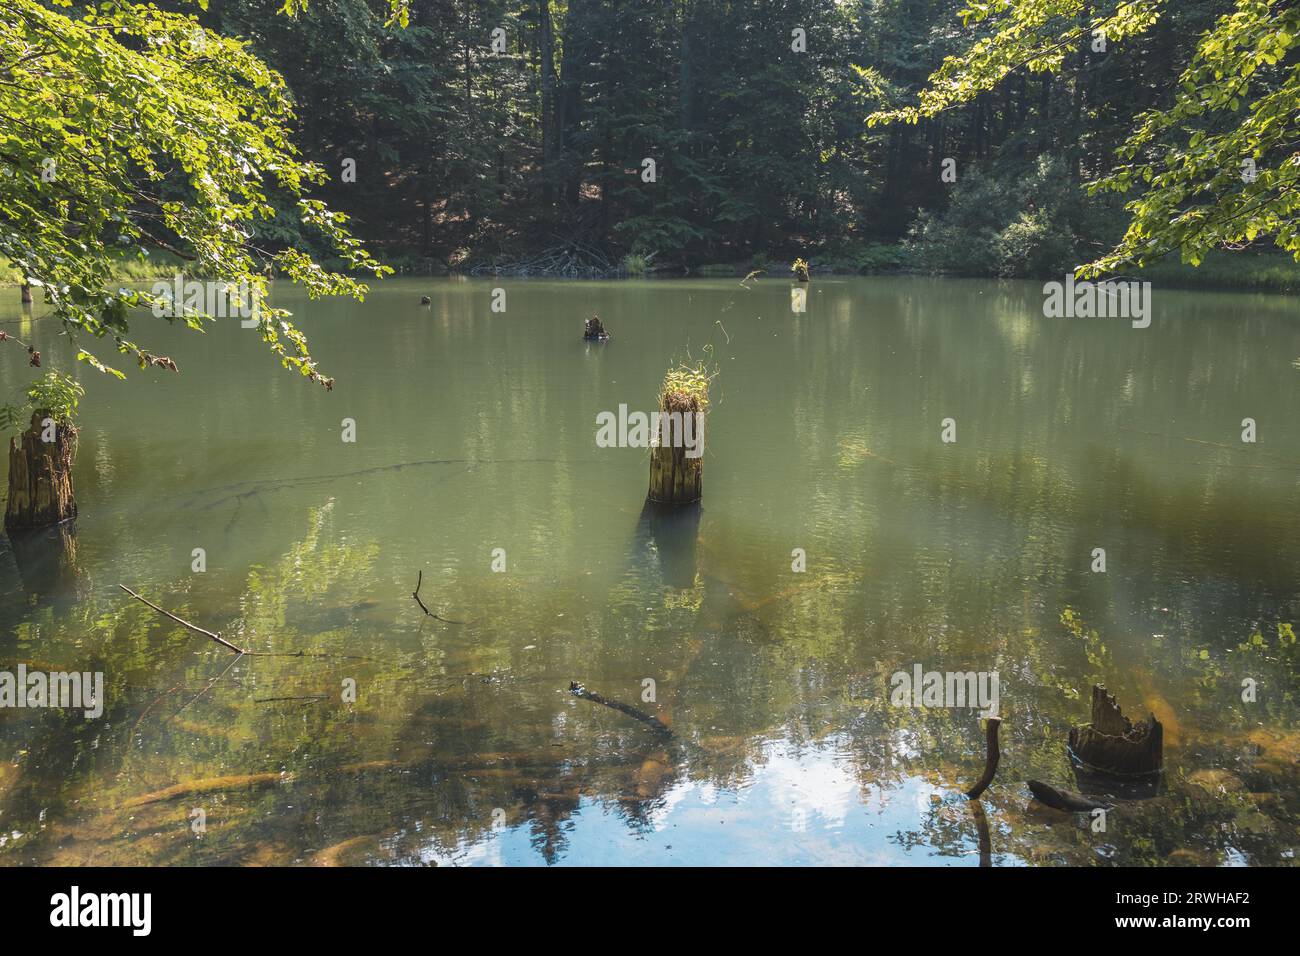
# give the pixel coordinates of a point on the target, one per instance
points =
(1113, 744)
(27, 294)
(40, 477)
(675, 478)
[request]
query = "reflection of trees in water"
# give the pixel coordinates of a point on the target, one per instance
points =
(453, 724)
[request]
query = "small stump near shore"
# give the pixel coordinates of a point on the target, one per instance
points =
(40, 475)
(677, 455)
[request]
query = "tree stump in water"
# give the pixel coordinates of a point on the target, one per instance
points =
(27, 294)
(1113, 744)
(677, 455)
(40, 476)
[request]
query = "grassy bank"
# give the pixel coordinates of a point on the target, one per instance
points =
(164, 265)
(1241, 271)
(1246, 272)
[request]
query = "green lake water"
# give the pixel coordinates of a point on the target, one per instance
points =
(476, 431)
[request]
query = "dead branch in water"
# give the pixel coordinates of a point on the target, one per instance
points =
(207, 687)
(276, 700)
(579, 691)
(992, 755)
(184, 623)
(243, 651)
(416, 594)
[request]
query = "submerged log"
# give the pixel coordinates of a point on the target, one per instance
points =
(1112, 744)
(677, 455)
(40, 476)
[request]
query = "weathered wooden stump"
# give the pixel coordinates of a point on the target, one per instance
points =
(27, 294)
(40, 477)
(1112, 744)
(677, 456)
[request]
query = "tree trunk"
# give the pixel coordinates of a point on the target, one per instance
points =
(27, 294)
(40, 477)
(549, 110)
(568, 119)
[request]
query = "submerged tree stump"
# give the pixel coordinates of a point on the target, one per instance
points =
(40, 477)
(1113, 744)
(676, 477)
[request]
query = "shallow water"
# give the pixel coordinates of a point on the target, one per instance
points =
(476, 431)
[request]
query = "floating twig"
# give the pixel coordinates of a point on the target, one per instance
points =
(416, 594)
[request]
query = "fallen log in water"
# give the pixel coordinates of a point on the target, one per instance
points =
(579, 691)
(1064, 799)
(992, 754)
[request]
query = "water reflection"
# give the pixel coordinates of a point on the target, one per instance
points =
(476, 432)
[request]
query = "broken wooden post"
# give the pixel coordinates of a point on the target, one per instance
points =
(677, 436)
(27, 294)
(1112, 744)
(40, 475)
(992, 754)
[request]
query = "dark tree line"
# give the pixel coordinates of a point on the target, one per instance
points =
(761, 150)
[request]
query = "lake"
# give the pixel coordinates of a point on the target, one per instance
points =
(410, 739)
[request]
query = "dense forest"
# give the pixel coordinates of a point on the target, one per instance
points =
(470, 145)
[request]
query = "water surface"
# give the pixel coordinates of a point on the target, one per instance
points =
(476, 431)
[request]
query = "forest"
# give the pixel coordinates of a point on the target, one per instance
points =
(487, 133)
